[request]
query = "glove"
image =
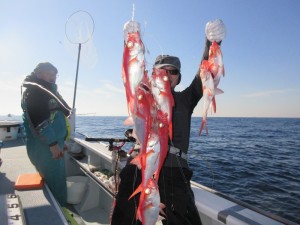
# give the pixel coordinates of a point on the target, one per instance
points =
(130, 27)
(215, 30)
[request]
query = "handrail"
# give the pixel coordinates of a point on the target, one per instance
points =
(246, 205)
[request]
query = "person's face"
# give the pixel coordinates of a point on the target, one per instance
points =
(49, 76)
(173, 75)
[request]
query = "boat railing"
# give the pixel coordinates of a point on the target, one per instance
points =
(244, 204)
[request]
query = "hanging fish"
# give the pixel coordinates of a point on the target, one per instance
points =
(211, 71)
(149, 204)
(215, 59)
(161, 90)
(141, 114)
(133, 71)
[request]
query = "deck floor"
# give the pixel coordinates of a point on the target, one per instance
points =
(38, 206)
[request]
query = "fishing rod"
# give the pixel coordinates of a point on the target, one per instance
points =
(110, 141)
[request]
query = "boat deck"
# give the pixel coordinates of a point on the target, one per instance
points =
(38, 206)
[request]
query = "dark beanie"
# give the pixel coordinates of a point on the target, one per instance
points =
(44, 66)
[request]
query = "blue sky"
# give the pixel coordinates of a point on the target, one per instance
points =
(261, 51)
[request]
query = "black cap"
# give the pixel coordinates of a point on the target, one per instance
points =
(167, 60)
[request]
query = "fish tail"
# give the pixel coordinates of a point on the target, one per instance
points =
(171, 130)
(214, 104)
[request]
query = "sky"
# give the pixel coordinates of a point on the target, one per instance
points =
(261, 50)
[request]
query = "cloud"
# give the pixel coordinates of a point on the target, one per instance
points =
(109, 90)
(114, 89)
(268, 93)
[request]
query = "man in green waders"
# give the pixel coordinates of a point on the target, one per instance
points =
(46, 127)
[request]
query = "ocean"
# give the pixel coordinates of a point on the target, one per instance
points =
(255, 160)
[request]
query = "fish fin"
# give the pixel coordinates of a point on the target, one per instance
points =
(161, 208)
(128, 121)
(137, 161)
(138, 190)
(218, 91)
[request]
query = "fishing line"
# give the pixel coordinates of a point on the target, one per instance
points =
(133, 11)
(189, 190)
(156, 42)
(210, 168)
(134, 197)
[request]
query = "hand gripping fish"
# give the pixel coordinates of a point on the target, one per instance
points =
(133, 71)
(211, 71)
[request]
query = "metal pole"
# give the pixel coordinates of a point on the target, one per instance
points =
(75, 89)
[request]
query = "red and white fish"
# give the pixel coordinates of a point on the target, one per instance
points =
(216, 65)
(133, 71)
(142, 115)
(149, 204)
(211, 71)
(161, 90)
(149, 201)
(163, 133)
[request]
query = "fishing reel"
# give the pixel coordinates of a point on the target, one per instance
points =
(128, 134)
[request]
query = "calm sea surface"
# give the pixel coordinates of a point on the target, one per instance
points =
(255, 160)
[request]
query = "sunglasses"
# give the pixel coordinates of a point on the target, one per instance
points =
(172, 72)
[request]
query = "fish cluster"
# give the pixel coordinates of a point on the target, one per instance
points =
(211, 71)
(150, 103)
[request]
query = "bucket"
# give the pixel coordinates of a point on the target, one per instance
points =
(76, 187)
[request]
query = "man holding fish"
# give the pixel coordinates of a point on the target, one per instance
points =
(168, 117)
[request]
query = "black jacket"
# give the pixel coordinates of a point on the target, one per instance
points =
(185, 102)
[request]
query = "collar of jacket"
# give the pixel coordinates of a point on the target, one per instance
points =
(33, 79)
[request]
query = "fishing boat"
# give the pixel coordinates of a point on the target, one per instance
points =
(92, 166)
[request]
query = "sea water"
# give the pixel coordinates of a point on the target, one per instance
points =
(255, 160)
